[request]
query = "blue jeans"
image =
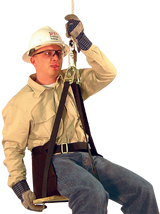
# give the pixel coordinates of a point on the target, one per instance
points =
(87, 195)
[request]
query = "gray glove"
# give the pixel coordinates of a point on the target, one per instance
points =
(27, 204)
(74, 26)
(23, 192)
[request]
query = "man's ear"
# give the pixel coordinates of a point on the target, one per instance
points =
(32, 60)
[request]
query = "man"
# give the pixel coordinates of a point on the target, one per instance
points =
(29, 119)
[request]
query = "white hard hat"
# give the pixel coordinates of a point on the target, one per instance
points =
(42, 37)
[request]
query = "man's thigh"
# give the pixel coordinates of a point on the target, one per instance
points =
(72, 176)
(121, 184)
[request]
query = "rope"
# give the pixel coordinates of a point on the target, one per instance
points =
(72, 11)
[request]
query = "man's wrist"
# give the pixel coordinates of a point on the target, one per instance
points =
(83, 42)
(19, 188)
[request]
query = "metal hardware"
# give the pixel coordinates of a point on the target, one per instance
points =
(70, 75)
(62, 151)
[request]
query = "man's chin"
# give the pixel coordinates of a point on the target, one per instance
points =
(55, 72)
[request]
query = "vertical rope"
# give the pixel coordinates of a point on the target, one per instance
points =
(72, 11)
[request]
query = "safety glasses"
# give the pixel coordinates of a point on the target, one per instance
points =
(50, 53)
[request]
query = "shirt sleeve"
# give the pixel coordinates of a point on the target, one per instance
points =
(101, 73)
(15, 136)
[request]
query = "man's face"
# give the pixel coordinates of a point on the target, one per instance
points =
(47, 63)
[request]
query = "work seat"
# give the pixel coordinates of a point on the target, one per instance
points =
(55, 200)
(51, 199)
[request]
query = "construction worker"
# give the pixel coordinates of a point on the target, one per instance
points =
(29, 117)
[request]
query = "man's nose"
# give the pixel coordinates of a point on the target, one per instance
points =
(55, 57)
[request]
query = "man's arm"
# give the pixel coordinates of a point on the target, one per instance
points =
(15, 136)
(102, 72)
(99, 76)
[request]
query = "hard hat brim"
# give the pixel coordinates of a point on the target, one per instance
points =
(25, 58)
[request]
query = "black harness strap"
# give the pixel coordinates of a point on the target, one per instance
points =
(81, 109)
(52, 141)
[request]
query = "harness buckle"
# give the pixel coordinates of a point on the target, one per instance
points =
(66, 148)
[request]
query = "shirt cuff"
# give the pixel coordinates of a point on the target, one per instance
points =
(20, 187)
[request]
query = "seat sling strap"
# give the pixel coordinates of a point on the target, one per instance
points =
(52, 141)
(81, 109)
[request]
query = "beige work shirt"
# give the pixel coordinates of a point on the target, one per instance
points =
(29, 116)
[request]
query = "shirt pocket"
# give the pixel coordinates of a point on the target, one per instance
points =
(71, 108)
(43, 121)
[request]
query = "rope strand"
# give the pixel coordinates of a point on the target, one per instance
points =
(72, 11)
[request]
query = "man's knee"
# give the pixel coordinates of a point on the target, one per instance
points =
(99, 195)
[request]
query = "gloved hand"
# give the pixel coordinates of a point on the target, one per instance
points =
(28, 198)
(73, 26)
(75, 29)
(23, 192)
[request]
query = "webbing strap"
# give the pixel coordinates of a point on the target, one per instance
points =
(81, 109)
(52, 140)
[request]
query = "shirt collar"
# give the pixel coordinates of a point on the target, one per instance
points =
(39, 89)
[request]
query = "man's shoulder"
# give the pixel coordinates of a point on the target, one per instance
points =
(22, 100)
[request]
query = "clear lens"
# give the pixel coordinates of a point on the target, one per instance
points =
(51, 53)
